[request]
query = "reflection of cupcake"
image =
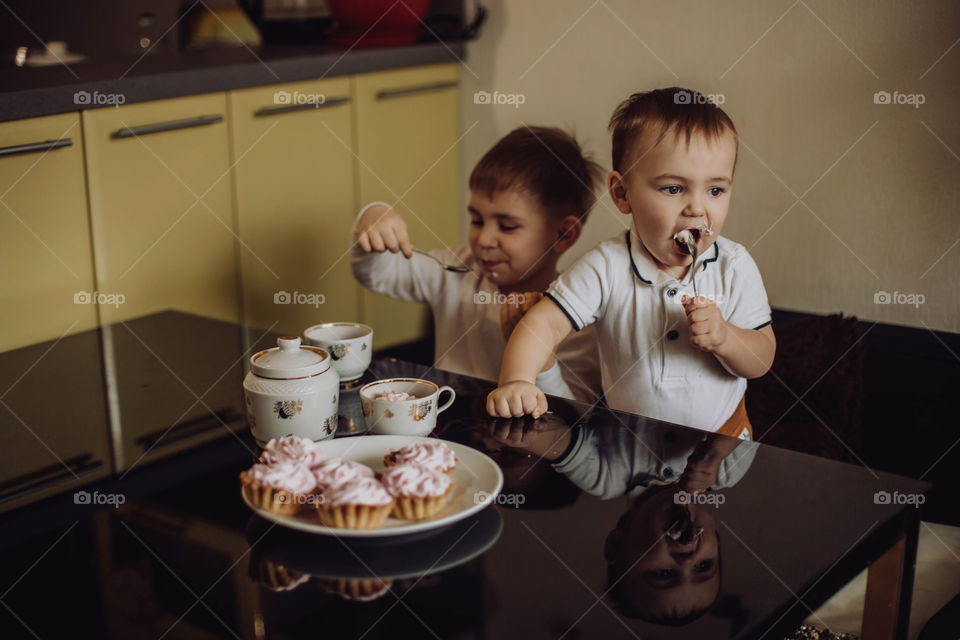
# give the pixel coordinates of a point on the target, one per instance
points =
(293, 449)
(276, 577)
(359, 504)
(334, 472)
(281, 488)
(429, 452)
(357, 590)
(420, 493)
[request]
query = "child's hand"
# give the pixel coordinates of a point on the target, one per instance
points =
(516, 398)
(708, 329)
(545, 438)
(381, 229)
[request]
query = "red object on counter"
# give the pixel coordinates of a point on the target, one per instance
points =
(372, 23)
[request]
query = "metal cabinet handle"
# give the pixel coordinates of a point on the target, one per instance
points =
(406, 91)
(191, 428)
(290, 108)
(199, 121)
(46, 145)
(54, 474)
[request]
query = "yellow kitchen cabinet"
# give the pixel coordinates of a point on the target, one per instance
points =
(295, 199)
(161, 210)
(407, 132)
(44, 232)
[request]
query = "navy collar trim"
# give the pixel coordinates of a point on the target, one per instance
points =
(636, 271)
(632, 263)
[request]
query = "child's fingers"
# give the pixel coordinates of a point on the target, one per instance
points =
(376, 240)
(497, 405)
(699, 314)
(390, 239)
(405, 245)
(516, 405)
(364, 241)
(531, 402)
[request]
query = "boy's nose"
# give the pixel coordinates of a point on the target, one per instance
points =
(487, 238)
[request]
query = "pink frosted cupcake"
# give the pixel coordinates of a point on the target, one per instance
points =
(420, 492)
(281, 488)
(362, 503)
(429, 452)
(334, 472)
(292, 449)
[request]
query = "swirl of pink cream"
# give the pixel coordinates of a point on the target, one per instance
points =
(362, 491)
(429, 453)
(334, 472)
(295, 478)
(293, 449)
(413, 480)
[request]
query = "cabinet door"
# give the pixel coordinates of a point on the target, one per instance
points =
(44, 232)
(160, 205)
(407, 133)
(295, 203)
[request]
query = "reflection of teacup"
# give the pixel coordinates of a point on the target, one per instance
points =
(416, 415)
(349, 344)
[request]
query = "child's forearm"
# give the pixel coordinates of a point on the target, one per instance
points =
(533, 342)
(748, 353)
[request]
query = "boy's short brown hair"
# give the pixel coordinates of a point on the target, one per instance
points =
(656, 113)
(544, 162)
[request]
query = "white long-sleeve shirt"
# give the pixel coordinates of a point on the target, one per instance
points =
(466, 313)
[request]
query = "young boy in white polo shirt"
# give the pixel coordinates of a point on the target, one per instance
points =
(663, 353)
(529, 197)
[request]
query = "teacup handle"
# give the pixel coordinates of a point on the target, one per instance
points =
(445, 405)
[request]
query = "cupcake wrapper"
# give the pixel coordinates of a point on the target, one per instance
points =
(354, 516)
(415, 508)
(360, 590)
(278, 501)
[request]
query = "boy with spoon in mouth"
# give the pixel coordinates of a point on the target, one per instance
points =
(529, 197)
(663, 352)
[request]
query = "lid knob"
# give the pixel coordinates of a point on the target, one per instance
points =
(288, 343)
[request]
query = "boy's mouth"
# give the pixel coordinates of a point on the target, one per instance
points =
(680, 239)
(490, 265)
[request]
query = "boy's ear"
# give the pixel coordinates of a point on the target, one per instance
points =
(618, 191)
(569, 231)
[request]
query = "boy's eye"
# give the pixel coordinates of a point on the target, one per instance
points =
(704, 566)
(477, 222)
(507, 227)
(661, 574)
(672, 189)
(716, 191)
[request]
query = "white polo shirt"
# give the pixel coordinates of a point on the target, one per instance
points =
(647, 363)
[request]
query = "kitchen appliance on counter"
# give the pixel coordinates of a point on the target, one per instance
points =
(289, 21)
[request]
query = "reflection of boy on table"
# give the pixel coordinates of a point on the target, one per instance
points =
(663, 557)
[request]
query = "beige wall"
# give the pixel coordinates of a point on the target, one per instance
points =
(879, 182)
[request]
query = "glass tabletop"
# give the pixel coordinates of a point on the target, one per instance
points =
(608, 525)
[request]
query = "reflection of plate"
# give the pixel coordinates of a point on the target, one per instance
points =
(361, 560)
(476, 481)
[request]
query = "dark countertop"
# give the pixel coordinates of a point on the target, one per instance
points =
(182, 556)
(27, 92)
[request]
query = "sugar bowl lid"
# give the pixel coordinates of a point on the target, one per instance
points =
(289, 360)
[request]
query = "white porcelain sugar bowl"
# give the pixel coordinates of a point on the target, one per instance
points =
(292, 390)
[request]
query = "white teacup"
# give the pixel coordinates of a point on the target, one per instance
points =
(349, 344)
(416, 416)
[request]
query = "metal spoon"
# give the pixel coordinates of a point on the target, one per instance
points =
(692, 248)
(447, 267)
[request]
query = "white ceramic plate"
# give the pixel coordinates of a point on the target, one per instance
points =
(475, 475)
